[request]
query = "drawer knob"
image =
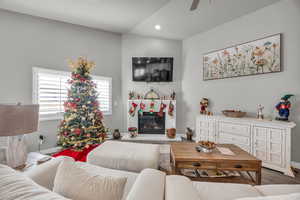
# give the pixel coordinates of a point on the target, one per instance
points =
(238, 166)
(196, 164)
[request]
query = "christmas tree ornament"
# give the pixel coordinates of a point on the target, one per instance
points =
(171, 109)
(142, 108)
(283, 108)
(132, 109)
(161, 109)
(82, 118)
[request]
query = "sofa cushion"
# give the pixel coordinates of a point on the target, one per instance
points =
(278, 189)
(75, 183)
(96, 170)
(149, 185)
(44, 174)
(294, 196)
(125, 156)
(15, 186)
(224, 191)
(179, 188)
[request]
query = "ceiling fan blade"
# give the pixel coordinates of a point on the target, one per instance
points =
(194, 5)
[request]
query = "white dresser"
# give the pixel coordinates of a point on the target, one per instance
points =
(269, 141)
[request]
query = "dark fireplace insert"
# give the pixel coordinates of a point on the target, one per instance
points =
(151, 123)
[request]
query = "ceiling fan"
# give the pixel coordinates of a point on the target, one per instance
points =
(195, 4)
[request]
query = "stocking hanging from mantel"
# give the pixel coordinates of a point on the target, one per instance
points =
(132, 109)
(161, 109)
(142, 108)
(171, 109)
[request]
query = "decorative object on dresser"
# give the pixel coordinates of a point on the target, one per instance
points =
(283, 108)
(256, 57)
(185, 156)
(234, 113)
(15, 122)
(204, 103)
(260, 114)
(269, 141)
(189, 134)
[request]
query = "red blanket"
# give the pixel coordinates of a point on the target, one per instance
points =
(77, 155)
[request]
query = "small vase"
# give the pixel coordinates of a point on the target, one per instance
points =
(171, 132)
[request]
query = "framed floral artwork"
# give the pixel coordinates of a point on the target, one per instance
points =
(256, 57)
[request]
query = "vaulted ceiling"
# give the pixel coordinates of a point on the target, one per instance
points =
(139, 16)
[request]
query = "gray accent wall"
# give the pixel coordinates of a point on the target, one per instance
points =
(27, 42)
(141, 46)
(246, 93)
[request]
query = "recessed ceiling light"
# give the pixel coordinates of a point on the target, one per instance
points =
(157, 27)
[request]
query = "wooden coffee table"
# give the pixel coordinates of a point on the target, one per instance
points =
(185, 156)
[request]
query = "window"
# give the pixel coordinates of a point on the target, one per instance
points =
(50, 91)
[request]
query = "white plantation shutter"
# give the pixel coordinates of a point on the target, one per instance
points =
(104, 91)
(50, 91)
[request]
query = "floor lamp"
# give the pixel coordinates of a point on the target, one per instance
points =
(15, 122)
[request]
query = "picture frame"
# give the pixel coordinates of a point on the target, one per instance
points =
(260, 56)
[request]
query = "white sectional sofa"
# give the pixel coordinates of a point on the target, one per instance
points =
(150, 184)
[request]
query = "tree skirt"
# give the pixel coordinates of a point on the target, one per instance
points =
(76, 155)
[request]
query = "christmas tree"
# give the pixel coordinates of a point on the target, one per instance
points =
(82, 124)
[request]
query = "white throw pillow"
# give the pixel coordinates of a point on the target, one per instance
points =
(15, 186)
(294, 196)
(75, 183)
(44, 174)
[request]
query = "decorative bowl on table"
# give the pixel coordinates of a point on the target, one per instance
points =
(234, 113)
(205, 146)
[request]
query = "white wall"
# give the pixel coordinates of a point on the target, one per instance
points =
(140, 46)
(27, 42)
(247, 92)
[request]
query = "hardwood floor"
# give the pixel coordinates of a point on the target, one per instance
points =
(268, 176)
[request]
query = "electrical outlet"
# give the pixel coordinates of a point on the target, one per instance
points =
(42, 139)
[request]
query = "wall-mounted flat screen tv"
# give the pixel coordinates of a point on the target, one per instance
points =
(150, 69)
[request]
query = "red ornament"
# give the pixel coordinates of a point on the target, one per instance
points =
(77, 131)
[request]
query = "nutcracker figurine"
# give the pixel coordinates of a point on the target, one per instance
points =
(204, 106)
(283, 108)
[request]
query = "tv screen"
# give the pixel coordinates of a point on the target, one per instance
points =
(151, 69)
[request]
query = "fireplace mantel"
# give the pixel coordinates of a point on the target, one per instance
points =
(170, 121)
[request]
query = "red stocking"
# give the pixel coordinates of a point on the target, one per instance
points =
(132, 109)
(171, 109)
(161, 109)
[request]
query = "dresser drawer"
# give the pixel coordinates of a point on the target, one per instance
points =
(205, 125)
(238, 129)
(235, 139)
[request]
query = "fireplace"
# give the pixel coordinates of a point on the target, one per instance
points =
(151, 123)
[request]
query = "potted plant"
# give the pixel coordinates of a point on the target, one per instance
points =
(132, 131)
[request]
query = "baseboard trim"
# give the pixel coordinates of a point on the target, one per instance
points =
(295, 164)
